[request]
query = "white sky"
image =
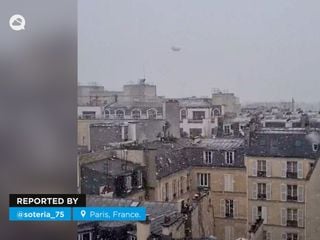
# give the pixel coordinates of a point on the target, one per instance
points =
(261, 50)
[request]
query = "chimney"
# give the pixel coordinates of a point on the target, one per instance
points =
(143, 229)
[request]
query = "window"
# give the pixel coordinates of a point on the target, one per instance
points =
(86, 236)
(262, 213)
(174, 188)
(266, 235)
(166, 192)
(229, 158)
(194, 132)
(152, 114)
(262, 191)
(203, 180)
(136, 114)
(292, 236)
(229, 208)
(292, 192)
(128, 183)
(227, 129)
(215, 112)
(182, 184)
(292, 169)
(120, 114)
(208, 157)
(262, 168)
(292, 217)
(183, 114)
(315, 147)
(198, 115)
(107, 114)
(89, 114)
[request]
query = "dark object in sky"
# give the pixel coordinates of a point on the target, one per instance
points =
(175, 49)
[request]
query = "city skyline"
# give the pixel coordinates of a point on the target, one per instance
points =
(261, 52)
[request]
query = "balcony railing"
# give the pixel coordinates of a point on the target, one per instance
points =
(292, 223)
(292, 198)
(262, 173)
(195, 120)
(262, 196)
(292, 175)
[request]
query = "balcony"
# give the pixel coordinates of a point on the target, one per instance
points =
(262, 196)
(292, 223)
(195, 120)
(292, 175)
(203, 188)
(292, 198)
(261, 173)
(229, 215)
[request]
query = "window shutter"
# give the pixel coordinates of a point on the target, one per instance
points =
(226, 178)
(264, 215)
(268, 168)
(269, 237)
(254, 190)
(209, 180)
(300, 193)
(254, 214)
(283, 169)
(300, 218)
(300, 169)
(283, 236)
(225, 157)
(163, 193)
(204, 157)
(227, 233)
(268, 191)
(283, 192)
(235, 208)
(198, 179)
(222, 208)
(231, 183)
(283, 216)
(254, 168)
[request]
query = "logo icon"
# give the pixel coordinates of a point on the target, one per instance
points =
(83, 213)
(17, 22)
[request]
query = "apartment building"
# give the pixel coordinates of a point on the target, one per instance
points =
(198, 116)
(279, 163)
(214, 166)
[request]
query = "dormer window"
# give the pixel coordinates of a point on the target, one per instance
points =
(315, 147)
(208, 157)
(229, 158)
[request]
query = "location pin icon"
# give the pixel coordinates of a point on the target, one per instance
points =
(83, 213)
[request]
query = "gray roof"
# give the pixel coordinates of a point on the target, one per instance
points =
(132, 105)
(295, 143)
(113, 165)
(195, 102)
(221, 143)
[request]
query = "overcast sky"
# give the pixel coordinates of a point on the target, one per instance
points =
(260, 50)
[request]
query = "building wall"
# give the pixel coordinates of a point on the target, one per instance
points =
(274, 205)
(171, 181)
(172, 115)
(84, 132)
(235, 227)
(312, 205)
